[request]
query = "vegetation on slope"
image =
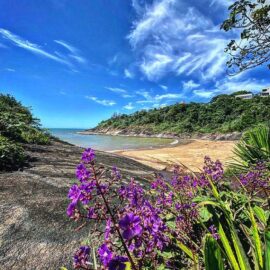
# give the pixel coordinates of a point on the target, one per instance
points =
(224, 114)
(17, 126)
(254, 147)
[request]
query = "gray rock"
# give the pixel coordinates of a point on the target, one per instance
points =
(35, 232)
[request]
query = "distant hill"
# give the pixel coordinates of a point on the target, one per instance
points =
(224, 114)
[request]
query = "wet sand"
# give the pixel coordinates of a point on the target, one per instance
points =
(190, 154)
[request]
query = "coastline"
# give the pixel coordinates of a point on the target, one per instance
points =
(233, 136)
(190, 154)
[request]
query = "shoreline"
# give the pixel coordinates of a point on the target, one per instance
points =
(190, 154)
(187, 152)
(233, 136)
(155, 147)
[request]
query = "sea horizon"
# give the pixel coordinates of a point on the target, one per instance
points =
(108, 142)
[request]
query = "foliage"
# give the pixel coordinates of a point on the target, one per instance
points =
(17, 126)
(189, 221)
(223, 114)
(11, 154)
(33, 135)
(253, 49)
(254, 147)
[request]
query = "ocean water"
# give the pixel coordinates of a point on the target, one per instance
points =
(107, 142)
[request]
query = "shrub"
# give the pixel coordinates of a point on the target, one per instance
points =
(32, 135)
(11, 154)
(189, 221)
(253, 147)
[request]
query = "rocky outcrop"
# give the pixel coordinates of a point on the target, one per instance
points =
(126, 132)
(35, 232)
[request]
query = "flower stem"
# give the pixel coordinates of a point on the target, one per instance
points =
(114, 221)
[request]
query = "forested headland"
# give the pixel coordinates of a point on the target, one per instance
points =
(223, 114)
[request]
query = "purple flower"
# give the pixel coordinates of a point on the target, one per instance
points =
(71, 209)
(118, 263)
(105, 254)
(133, 192)
(88, 155)
(82, 173)
(74, 193)
(116, 173)
(130, 224)
(91, 213)
(213, 231)
(82, 257)
(107, 229)
(256, 178)
(213, 169)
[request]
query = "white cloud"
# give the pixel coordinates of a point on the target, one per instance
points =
(113, 60)
(67, 46)
(103, 102)
(120, 91)
(234, 84)
(230, 85)
(170, 36)
(157, 105)
(164, 87)
(116, 90)
(129, 106)
(66, 59)
(128, 74)
(75, 53)
(156, 99)
(190, 85)
(136, 4)
(78, 58)
(225, 3)
(127, 96)
(34, 48)
(144, 94)
(10, 69)
(204, 93)
(168, 96)
(145, 101)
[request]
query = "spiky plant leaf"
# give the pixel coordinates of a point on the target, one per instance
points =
(212, 254)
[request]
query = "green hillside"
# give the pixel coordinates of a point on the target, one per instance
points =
(224, 114)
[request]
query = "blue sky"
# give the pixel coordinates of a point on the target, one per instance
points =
(77, 62)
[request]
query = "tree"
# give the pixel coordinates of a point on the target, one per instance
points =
(252, 18)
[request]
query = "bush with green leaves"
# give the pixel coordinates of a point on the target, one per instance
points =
(11, 154)
(17, 126)
(35, 136)
(253, 147)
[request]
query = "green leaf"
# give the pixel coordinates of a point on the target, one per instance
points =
(128, 266)
(212, 254)
(256, 239)
(260, 214)
(267, 251)
(187, 250)
(227, 247)
(205, 215)
(241, 255)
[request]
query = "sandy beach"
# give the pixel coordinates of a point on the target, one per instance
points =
(190, 154)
